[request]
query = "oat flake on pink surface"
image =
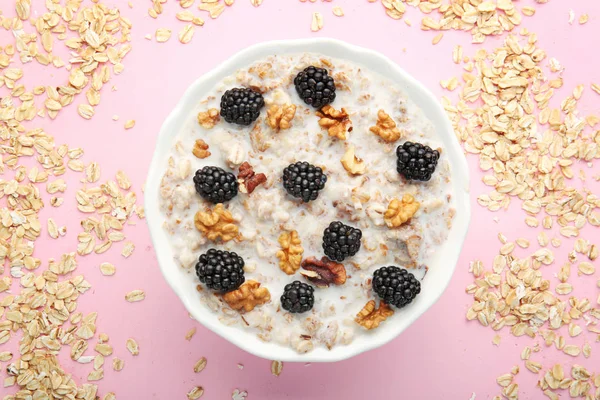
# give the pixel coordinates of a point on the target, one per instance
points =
(441, 356)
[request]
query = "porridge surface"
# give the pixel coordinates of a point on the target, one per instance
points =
(356, 200)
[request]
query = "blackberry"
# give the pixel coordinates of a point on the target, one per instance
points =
(315, 86)
(297, 297)
(241, 106)
(222, 271)
(303, 180)
(416, 161)
(395, 286)
(341, 241)
(215, 184)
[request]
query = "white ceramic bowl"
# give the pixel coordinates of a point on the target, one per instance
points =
(440, 269)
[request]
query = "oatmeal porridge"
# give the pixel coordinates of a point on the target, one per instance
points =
(305, 195)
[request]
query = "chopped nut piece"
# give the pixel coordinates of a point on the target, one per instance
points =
(248, 179)
(208, 119)
(370, 318)
(386, 128)
(200, 149)
(290, 255)
(216, 224)
(323, 272)
(280, 117)
(336, 122)
(353, 164)
(400, 211)
(248, 296)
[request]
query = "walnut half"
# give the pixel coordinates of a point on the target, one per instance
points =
(248, 179)
(208, 119)
(400, 211)
(216, 223)
(200, 149)
(323, 272)
(336, 122)
(370, 318)
(386, 128)
(247, 296)
(280, 117)
(290, 255)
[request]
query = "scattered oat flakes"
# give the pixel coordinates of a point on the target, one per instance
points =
(186, 34)
(87, 111)
(317, 22)
(200, 365)
(133, 347)
(572, 350)
(195, 393)
(107, 269)
(128, 249)
(276, 367)
(129, 124)
(214, 8)
(338, 11)
(135, 295)
(163, 34)
(190, 334)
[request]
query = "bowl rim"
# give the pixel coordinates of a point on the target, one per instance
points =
(352, 53)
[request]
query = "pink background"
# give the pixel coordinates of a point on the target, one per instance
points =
(442, 356)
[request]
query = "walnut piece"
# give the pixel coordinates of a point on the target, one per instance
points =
(336, 122)
(386, 128)
(370, 318)
(280, 117)
(248, 179)
(290, 255)
(200, 149)
(353, 164)
(247, 296)
(216, 223)
(323, 272)
(208, 119)
(400, 211)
